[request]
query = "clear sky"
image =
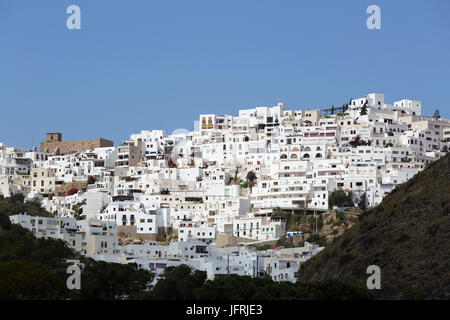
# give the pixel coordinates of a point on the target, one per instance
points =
(144, 64)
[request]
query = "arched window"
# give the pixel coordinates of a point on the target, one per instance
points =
(283, 156)
(318, 155)
(294, 156)
(306, 156)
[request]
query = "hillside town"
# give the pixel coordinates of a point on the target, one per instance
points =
(209, 197)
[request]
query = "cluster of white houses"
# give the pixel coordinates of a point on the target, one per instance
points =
(197, 183)
(98, 239)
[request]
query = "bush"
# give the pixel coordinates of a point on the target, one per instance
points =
(292, 219)
(340, 198)
(320, 240)
(15, 204)
(5, 223)
(362, 204)
(184, 283)
(181, 283)
(178, 283)
(108, 281)
(345, 258)
(413, 294)
(24, 280)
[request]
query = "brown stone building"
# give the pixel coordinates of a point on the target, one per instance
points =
(54, 144)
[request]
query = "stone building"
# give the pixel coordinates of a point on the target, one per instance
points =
(54, 144)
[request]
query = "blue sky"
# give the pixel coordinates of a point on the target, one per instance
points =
(158, 64)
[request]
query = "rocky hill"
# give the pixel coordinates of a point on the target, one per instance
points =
(407, 236)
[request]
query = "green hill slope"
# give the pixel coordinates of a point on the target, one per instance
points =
(407, 236)
(35, 269)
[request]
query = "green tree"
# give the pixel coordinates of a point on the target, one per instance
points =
(178, 283)
(15, 204)
(362, 204)
(292, 219)
(364, 109)
(24, 280)
(284, 241)
(316, 238)
(17, 198)
(109, 281)
(334, 289)
(413, 293)
(340, 198)
(77, 210)
(5, 223)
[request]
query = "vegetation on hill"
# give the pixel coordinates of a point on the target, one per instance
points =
(24, 279)
(15, 204)
(407, 236)
(32, 268)
(320, 228)
(108, 281)
(294, 221)
(318, 239)
(340, 198)
(183, 283)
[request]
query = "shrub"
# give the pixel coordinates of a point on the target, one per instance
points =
(413, 293)
(340, 198)
(345, 258)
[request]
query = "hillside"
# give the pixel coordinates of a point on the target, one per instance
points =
(35, 269)
(32, 268)
(407, 236)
